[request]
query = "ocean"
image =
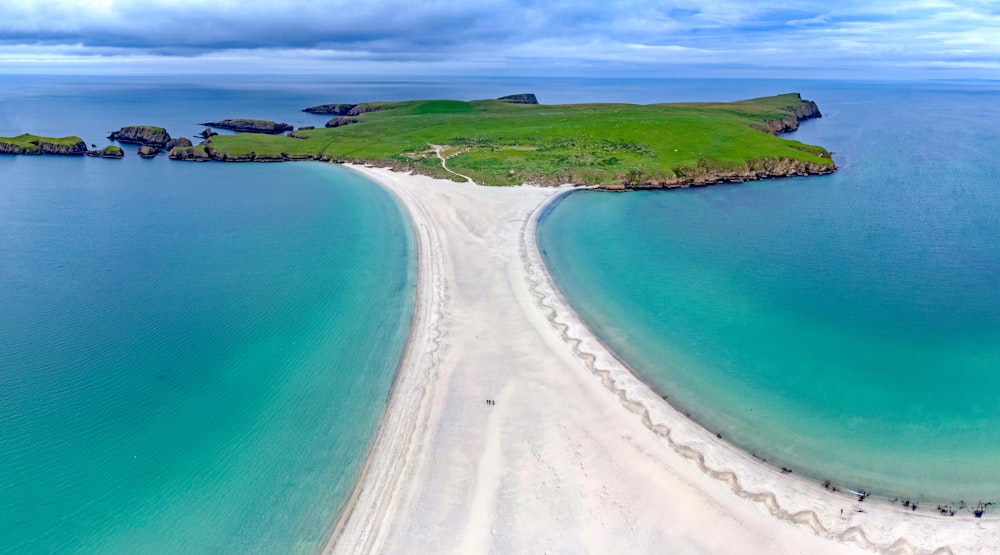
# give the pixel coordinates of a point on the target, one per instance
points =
(194, 357)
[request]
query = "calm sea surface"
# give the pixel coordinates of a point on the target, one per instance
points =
(194, 357)
(847, 326)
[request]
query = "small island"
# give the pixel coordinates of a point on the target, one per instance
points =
(250, 126)
(27, 143)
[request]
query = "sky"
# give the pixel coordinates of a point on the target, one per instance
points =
(711, 38)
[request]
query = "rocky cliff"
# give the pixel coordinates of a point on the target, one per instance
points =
(806, 109)
(343, 109)
(250, 126)
(340, 122)
(526, 98)
(192, 153)
(207, 152)
(702, 175)
(331, 109)
(141, 135)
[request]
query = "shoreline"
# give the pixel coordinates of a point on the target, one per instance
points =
(395, 498)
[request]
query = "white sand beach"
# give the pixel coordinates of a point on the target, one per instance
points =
(576, 455)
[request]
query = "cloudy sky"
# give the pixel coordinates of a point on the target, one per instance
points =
(824, 38)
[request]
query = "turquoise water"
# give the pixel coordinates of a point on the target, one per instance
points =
(847, 326)
(193, 358)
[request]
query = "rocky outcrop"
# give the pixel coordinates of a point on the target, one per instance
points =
(111, 151)
(206, 153)
(207, 133)
(526, 98)
(250, 126)
(77, 148)
(364, 109)
(701, 176)
(805, 109)
(343, 109)
(331, 109)
(340, 122)
(141, 135)
(33, 144)
(182, 142)
(147, 151)
(193, 153)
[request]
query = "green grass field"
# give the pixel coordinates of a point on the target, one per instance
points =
(499, 143)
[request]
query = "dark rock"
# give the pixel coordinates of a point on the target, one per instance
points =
(227, 157)
(182, 141)
(306, 128)
(340, 122)
(147, 151)
(364, 109)
(107, 152)
(141, 135)
(251, 126)
(193, 153)
(206, 133)
(331, 109)
(526, 98)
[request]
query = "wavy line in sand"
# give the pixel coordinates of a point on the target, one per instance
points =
(558, 312)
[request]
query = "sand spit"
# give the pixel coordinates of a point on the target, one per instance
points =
(574, 454)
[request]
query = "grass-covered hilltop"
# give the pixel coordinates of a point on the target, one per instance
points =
(512, 141)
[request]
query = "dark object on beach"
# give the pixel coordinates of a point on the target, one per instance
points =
(718, 436)
(526, 98)
(786, 470)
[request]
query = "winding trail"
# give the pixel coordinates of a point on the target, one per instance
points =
(438, 149)
(576, 455)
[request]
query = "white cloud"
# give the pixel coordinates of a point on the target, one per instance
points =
(510, 35)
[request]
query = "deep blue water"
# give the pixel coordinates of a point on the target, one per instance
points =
(847, 326)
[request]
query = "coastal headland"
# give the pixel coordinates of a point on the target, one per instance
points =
(514, 140)
(511, 428)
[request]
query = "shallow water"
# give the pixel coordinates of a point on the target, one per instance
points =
(193, 358)
(847, 326)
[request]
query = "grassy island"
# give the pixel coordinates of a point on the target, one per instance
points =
(35, 144)
(497, 142)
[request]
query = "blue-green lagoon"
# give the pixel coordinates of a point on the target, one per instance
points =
(193, 358)
(846, 326)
